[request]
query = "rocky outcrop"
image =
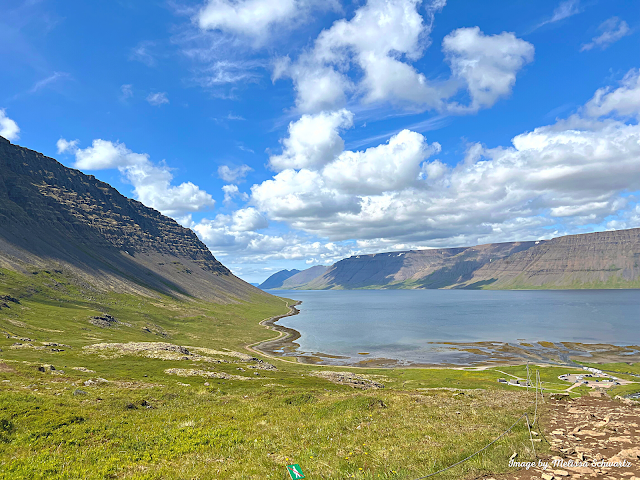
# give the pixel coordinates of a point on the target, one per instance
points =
(54, 216)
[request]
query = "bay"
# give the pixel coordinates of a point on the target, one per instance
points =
(420, 326)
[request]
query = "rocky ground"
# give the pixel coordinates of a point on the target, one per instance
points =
(585, 434)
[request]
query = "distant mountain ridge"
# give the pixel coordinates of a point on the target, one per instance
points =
(52, 216)
(277, 279)
(593, 260)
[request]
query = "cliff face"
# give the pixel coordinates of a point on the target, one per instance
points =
(54, 215)
(435, 268)
(595, 260)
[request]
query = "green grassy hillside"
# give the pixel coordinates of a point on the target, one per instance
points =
(125, 410)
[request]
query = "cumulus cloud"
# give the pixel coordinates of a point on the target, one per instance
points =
(612, 30)
(313, 140)
(256, 19)
(8, 128)
(381, 41)
(248, 220)
(65, 145)
(157, 99)
(225, 236)
(231, 192)
(233, 174)
(577, 171)
(624, 101)
(486, 63)
(151, 182)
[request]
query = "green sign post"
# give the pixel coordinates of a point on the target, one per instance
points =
(295, 472)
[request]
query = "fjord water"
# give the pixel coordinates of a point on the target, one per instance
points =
(412, 325)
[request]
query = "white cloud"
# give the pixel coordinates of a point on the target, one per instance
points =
(126, 91)
(231, 192)
(233, 174)
(142, 53)
(565, 9)
(248, 220)
(157, 99)
(625, 100)
(313, 140)
(380, 41)
(387, 167)
(47, 81)
(151, 182)
(486, 63)
(612, 30)
(8, 128)
(256, 19)
(64, 145)
(575, 172)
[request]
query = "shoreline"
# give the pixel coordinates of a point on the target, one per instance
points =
(500, 354)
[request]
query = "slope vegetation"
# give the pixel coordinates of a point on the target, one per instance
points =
(594, 260)
(57, 218)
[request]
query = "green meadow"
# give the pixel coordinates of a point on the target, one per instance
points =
(212, 409)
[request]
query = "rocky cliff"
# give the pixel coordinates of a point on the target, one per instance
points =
(595, 260)
(51, 215)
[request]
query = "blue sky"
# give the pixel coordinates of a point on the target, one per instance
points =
(291, 133)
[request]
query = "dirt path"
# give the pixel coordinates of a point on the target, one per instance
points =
(585, 431)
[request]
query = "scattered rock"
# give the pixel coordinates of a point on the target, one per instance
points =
(83, 369)
(106, 321)
(348, 378)
(46, 368)
(77, 391)
(191, 372)
(263, 366)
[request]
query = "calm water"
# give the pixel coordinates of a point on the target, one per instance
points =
(407, 325)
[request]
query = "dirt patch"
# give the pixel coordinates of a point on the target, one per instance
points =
(4, 368)
(348, 378)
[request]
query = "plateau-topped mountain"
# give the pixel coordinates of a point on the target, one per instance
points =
(56, 217)
(594, 260)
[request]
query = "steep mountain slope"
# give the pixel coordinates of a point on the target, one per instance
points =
(276, 280)
(55, 217)
(434, 268)
(593, 260)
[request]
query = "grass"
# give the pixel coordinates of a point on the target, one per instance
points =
(146, 424)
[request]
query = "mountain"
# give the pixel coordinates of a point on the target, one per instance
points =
(304, 277)
(277, 279)
(594, 260)
(54, 217)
